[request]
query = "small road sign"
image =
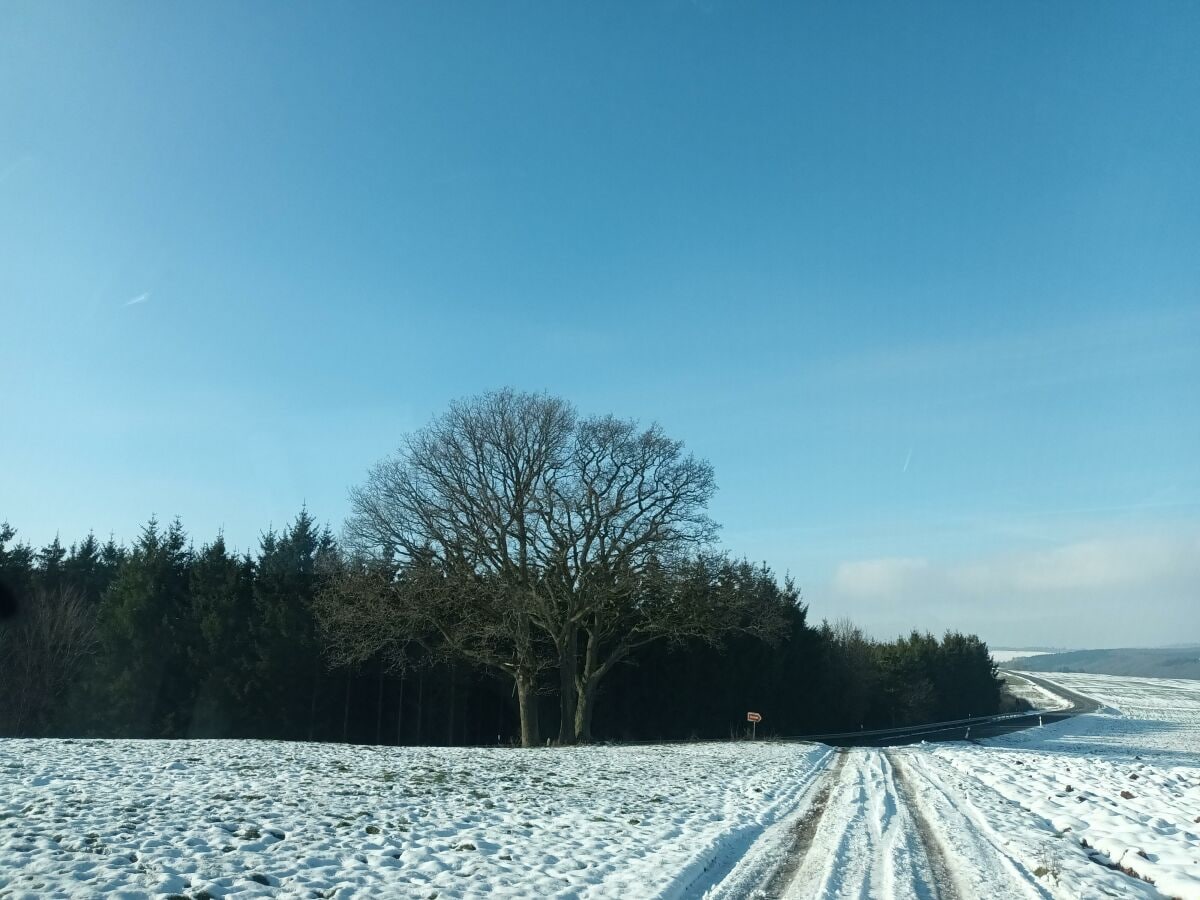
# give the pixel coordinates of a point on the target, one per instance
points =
(753, 718)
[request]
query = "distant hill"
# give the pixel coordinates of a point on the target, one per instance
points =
(1144, 662)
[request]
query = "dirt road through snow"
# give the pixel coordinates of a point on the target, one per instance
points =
(868, 843)
(880, 828)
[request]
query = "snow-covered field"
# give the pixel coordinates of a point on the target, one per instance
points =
(133, 819)
(1153, 718)
(1037, 696)
(1099, 805)
(1121, 785)
(1095, 806)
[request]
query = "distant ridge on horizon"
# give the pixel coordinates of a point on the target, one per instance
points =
(1146, 662)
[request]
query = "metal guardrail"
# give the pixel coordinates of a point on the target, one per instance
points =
(922, 728)
(901, 730)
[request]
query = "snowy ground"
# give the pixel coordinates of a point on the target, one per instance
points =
(1122, 783)
(1095, 806)
(239, 819)
(1037, 696)
(1099, 805)
(1153, 718)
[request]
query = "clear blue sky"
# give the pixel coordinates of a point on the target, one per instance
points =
(922, 281)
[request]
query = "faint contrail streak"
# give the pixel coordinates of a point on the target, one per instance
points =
(907, 460)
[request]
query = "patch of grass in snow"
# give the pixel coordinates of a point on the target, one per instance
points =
(1049, 862)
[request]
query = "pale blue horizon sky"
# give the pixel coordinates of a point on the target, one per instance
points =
(922, 281)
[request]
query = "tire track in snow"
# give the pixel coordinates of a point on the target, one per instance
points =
(972, 812)
(802, 834)
(734, 862)
(867, 844)
(944, 884)
(956, 829)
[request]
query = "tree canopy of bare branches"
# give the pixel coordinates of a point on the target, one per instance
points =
(518, 535)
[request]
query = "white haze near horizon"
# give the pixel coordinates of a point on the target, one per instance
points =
(1111, 592)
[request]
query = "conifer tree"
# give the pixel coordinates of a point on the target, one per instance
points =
(221, 591)
(291, 570)
(145, 631)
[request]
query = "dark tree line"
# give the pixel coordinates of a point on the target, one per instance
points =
(512, 564)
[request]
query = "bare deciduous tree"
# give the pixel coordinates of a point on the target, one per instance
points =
(516, 535)
(458, 507)
(40, 653)
(628, 500)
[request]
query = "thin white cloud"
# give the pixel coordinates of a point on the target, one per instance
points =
(878, 578)
(1123, 591)
(140, 298)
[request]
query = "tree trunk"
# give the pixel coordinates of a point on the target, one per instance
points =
(527, 704)
(400, 713)
(583, 712)
(420, 704)
(453, 702)
(568, 667)
(312, 703)
(584, 689)
(379, 707)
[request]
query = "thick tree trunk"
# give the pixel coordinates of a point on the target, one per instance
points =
(583, 713)
(527, 705)
(568, 668)
(584, 689)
